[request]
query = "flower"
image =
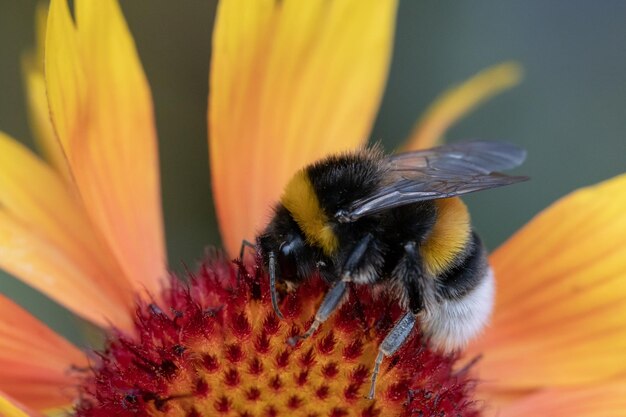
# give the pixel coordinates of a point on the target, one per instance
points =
(290, 81)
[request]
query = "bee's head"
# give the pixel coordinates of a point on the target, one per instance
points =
(295, 260)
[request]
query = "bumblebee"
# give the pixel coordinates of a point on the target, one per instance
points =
(394, 222)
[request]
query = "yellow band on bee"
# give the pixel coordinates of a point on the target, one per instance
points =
(302, 202)
(449, 236)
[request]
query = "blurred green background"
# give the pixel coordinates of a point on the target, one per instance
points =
(569, 112)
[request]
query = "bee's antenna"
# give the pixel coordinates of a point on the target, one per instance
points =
(273, 295)
(331, 301)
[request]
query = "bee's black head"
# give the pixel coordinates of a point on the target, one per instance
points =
(296, 260)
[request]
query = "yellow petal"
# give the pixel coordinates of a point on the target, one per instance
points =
(38, 110)
(9, 407)
(35, 361)
(291, 82)
(605, 400)
(102, 111)
(64, 75)
(40, 120)
(456, 102)
(560, 316)
(46, 240)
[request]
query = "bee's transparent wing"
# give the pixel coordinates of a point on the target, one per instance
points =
(441, 172)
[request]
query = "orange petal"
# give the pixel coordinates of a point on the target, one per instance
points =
(9, 407)
(46, 241)
(291, 82)
(35, 361)
(606, 400)
(560, 317)
(102, 111)
(39, 112)
(456, 102)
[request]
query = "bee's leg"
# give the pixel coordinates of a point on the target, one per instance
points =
(244, 244)
(242, 248)
(273, 295)
(392, 342)
(409, 273)
(354, 259)
(331, 301)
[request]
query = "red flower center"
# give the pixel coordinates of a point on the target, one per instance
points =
(216, 348)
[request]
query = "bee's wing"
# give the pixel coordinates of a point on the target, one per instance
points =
(441, 172)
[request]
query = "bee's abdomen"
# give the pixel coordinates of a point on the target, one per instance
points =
(463, 301)
(467, 274)
(447, 242)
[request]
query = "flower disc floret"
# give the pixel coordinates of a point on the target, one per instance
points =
(215, 347)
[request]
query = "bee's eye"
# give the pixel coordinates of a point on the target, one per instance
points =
(287, 266)
(291, 245)
(286, 258)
